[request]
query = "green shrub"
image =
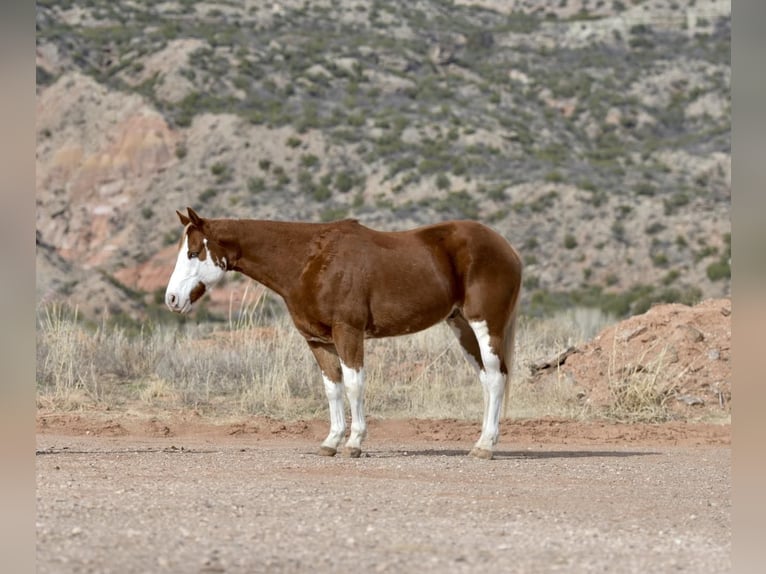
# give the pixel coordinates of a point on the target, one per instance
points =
(344, 182)
(719, 270)
(670, 277)
(531, 243)
(705, 251)
(660, 259)
(309, 161)
(208, 194)
(333, 213)
(645, 188)
(678, 199)
(554, 177)
(256, 184)
(282, 178)
(531, 282)
(321, 193)
(222, 172)
(530, 259)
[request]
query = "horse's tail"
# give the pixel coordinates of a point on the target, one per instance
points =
(509, 349)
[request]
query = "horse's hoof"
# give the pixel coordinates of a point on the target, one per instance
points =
(352, 452)
(477, 452)
(327, 451)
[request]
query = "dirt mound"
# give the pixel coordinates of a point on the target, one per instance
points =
(672, 361)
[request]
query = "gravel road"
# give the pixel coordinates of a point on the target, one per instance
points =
(193, 503)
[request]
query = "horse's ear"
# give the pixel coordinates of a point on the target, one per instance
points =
(195, 219)
(184, 220)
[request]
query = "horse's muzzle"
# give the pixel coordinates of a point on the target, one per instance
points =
(174, 303)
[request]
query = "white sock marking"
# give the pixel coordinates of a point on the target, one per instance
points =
(354, 382)
(334, 392)
(493, 384)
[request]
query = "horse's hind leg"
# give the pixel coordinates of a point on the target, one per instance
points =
(471, 350)
(493, 376)
(329, 363)
(465, 336)
(481, 351)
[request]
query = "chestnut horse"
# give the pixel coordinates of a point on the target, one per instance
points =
(343, 282)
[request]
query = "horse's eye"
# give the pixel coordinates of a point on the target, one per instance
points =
(193, 254)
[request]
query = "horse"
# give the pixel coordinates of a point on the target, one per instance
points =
(343, 282)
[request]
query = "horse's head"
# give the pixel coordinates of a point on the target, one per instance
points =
(200, 264)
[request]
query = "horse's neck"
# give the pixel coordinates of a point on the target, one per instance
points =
(271, 252)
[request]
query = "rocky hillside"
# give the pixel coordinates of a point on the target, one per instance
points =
(595, 135)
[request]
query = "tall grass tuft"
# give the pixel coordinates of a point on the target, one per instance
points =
(60, 349)
(642, 389)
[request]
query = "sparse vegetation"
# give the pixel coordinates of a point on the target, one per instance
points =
(642, 387)
(257, 363)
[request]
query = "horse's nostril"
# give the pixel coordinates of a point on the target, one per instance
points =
(172, 299)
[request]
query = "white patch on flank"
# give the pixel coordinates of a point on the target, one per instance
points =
(334, 392)
(354, 382)
(186, 275)
(493, 385)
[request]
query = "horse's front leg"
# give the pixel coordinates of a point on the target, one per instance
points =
(329, 363)
(353, 379)
(350, 345)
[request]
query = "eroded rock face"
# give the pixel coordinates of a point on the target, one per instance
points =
(97, 152)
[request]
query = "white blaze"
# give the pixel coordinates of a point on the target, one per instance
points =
(187, 274)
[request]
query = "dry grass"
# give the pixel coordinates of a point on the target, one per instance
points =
(542, 338)
(258, 366)
(642, 389)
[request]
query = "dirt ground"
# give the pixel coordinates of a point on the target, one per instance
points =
(127, 493)
(131, 491)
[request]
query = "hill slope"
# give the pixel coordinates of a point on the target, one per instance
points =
(594, 136)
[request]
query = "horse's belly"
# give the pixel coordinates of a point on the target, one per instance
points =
(407, 313)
